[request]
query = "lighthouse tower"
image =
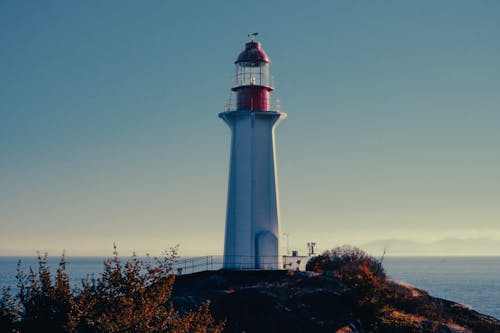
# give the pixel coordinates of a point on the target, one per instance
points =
(252, 220)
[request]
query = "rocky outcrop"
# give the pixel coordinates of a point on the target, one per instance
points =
(288, 301)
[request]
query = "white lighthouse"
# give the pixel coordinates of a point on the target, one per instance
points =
(252, 217)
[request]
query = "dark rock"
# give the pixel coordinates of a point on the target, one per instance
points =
(286, 301)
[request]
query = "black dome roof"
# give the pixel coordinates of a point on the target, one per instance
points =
(253, 54)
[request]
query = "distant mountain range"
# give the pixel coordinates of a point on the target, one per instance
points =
(444, 247)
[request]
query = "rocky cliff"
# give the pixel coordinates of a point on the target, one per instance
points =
(288, 301)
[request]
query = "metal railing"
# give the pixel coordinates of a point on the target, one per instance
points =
(195, 264)
(236, 262)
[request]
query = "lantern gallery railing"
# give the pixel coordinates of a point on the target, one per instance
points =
(230, 104)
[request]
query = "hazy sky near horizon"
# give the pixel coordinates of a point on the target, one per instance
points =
(109, 129)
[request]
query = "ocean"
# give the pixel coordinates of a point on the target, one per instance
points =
(473, 281)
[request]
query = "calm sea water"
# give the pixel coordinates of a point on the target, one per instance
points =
(474, 281)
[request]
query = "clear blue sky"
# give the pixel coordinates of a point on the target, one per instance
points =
(109, 129)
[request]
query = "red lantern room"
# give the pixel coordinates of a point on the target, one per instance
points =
(253, 84)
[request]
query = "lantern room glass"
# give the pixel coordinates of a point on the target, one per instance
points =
(252, 74)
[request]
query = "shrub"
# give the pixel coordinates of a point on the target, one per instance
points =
(362, 273)
(379, 302)
(9, 313)
(129, 297)
(348, 259)
(42, 304)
